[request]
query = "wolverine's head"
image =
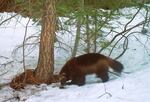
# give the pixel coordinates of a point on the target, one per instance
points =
(63, 78)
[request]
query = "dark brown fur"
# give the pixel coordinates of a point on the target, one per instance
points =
(78, 67)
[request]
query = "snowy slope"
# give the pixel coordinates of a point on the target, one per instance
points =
(134, 87)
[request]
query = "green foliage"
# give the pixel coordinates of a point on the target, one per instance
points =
(18, 1)
(104, 43)
(78, 11)
(30, 8)
(33, 8)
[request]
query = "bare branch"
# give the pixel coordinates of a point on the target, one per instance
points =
(6, 63)
(4, 57)
(26, 30)
(8, 19)
(124, 31)
(125, 46)
(132, 19)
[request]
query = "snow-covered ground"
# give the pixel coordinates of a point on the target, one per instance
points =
(132, 87)
(128, 88)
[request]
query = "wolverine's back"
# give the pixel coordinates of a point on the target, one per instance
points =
(90, 58)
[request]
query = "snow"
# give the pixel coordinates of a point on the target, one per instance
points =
(132, 87)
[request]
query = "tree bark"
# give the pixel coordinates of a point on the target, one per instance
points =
(78, 31)
(95, 32)
(77, 39)
(45, 67)
(87, 35)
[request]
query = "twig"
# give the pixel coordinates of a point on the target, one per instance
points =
(8, 19)
(4, 64)
(125, 30)
(118, 75)
(26, 30)
(4, 57)
(132, 19)
(125, 46)
(7, 100)
(105, 92)
(142, 44)
(4, 84)
(3, 73)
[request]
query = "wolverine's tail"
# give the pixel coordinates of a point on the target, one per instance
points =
(116, 65)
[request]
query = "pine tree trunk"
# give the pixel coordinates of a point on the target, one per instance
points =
(78, 31)
(45, 67)
(77, 39)
(96, 32)
(87, 35)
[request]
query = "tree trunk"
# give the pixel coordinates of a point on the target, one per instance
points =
(45, 67)
(77, 39)
(79, 23)
(95, 32)
(87, 35)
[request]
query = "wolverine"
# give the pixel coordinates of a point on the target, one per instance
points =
(77, 68)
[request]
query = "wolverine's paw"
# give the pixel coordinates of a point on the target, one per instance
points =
(62, 87)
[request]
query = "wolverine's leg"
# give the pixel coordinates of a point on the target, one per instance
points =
(78, 80)
(102, 72)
